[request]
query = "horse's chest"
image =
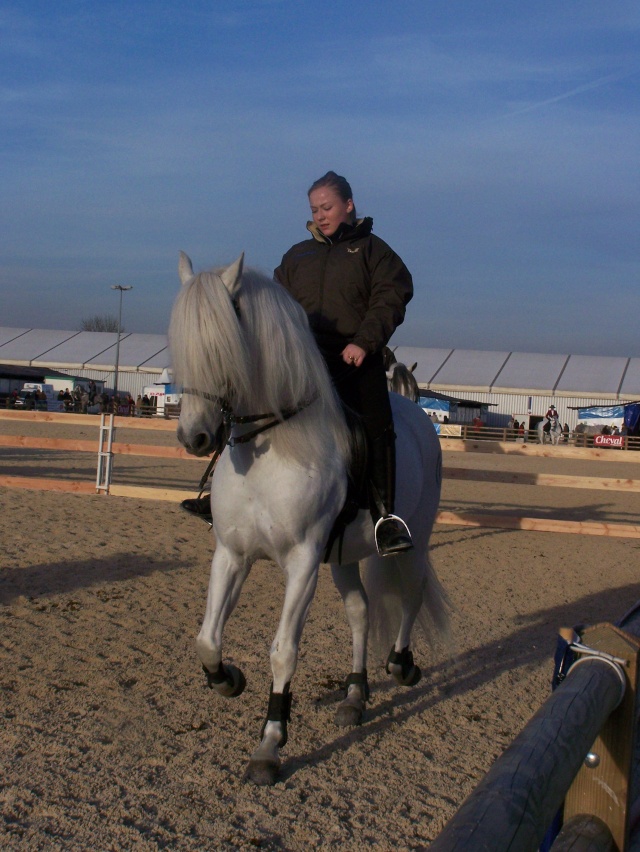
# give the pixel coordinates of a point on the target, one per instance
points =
(271, 506)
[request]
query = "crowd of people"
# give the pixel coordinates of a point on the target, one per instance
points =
(82, 400)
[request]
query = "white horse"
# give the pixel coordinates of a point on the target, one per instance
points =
(254, 379)
(554, 434)
(400, 378)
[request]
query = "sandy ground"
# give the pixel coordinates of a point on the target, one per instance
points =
(111, 741)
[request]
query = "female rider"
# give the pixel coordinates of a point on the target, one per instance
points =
(354, 289)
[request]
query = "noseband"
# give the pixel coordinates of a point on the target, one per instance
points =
(229, 419)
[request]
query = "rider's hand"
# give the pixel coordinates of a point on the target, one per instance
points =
(353, 354)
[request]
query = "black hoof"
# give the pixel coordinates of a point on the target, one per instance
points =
(412, 677)
(400, 664)
(348, 716)
(263, 773)
(228, 681)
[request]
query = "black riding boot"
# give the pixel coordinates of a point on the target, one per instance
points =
(199, 506)
(392, 534)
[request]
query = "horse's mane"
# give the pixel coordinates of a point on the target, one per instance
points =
(264, 361)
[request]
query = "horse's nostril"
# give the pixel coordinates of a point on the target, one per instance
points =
(200, 441)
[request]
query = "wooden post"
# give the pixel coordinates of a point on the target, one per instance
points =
(602, 790)
(584, 834)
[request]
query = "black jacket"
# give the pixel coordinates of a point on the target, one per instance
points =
(353, 287)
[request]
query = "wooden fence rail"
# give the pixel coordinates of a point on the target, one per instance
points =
(444, 517)
(591, 713)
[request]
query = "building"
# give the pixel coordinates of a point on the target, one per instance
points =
(524, 384)
(507, 383)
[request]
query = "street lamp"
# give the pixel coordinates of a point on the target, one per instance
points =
(115, 379)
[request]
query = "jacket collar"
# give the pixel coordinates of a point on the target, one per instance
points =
(362, 228)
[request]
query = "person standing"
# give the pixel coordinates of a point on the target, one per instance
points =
(354, 289)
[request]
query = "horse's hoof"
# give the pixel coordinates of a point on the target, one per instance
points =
(263, 772)
(348, 715)
(234, 684)
(400, 664)
(411, 678)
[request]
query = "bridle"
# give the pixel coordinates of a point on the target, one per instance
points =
(230, 419)
(223, 435)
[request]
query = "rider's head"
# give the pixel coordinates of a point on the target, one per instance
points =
(331, 202)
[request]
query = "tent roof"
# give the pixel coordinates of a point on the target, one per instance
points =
(444, 370)
(524, 372)
(83, 349)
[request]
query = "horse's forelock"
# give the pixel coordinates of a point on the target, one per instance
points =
(207, 343)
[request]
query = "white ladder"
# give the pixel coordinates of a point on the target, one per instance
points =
(105, 457)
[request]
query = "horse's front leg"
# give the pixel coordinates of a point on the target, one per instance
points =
(228, 573)
(347, 580)
(301, 571)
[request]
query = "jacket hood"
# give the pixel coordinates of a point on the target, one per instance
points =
(362, 228)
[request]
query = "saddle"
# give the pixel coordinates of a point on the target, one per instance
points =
(357, 483)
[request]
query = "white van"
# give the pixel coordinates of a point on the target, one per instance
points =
(26, 398)
(159, 396)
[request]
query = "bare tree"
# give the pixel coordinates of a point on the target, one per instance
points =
(98, 322)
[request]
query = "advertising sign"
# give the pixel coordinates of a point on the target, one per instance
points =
(609, 441)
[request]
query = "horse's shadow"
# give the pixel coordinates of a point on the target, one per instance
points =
(530, 644)
(61, 578)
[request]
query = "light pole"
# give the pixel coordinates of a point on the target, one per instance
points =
(115, 379)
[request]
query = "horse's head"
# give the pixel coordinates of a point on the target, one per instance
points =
(400, 379)
(208, 353)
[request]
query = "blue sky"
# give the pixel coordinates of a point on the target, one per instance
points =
(495, 145)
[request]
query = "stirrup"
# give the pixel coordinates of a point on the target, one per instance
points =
(402, 542)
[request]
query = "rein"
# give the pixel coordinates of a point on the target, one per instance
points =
(230, 419)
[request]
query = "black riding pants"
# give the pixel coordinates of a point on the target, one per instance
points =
(364, 390)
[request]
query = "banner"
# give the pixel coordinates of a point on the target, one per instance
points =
(602, 415)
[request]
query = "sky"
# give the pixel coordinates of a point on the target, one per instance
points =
(495, 145)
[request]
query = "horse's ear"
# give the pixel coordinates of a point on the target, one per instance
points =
(232, 275)
(185, 269)
(413, 368)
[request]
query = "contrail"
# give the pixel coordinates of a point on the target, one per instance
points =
(587, 87)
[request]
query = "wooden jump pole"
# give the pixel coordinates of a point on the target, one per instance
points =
(514, 805)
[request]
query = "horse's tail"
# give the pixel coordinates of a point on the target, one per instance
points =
(410, 578)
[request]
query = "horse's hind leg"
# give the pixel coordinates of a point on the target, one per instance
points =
(396, 587)
(400, 660)
(228, 573)
(348, 582)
